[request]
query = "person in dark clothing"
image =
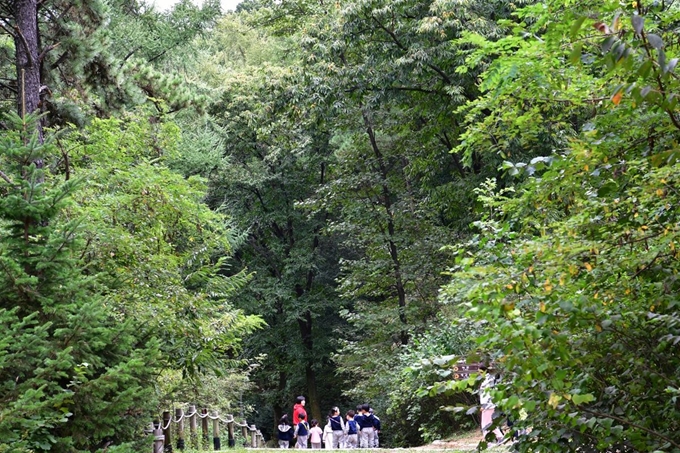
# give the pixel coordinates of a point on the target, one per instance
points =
(337, 426)
(302, 432)
(376, 429)
(366, 422)
(284, 432)
(352, 431)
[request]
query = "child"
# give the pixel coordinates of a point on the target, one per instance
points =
(315, 435)
(352, 440)
(367, 424)
(488, 406)
(328, 436)
(377, 427)
(285, 432)
(302, 431)
(337, 425)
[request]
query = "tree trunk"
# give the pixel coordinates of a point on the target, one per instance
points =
(26, 43)
(312, 397)
(394, 252)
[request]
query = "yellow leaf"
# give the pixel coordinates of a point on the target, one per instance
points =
(548, 287)
(585, 167)
(588, 266)
(562, 280)
(616, 99)
(627, 291)
(508, 307)
(554, 400)
(652, 308)
(598, 327)
(596, 295)
(509, 286)
(541, 307)
(659, 192)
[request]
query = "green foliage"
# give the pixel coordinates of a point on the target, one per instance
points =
(406, 407)
(273, 158)
(577, 272)
(159, 247)
(70, 367)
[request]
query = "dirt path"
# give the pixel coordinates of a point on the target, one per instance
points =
(465, 442)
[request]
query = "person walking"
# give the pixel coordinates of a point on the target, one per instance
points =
(487, 404)
(301, 431)
(337, 426)
(285, 432)
(352, 438)
(328, 435)
(366, 427)
(315, 434)
(299, 408)
(376, 429)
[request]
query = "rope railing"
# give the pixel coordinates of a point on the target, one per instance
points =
(163, 431)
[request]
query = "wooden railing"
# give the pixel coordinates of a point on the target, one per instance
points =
(165, 430)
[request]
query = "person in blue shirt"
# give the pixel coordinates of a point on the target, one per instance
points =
(376, 429)
(352, 439)
(302, 431)
(337, 426)
(365, 420)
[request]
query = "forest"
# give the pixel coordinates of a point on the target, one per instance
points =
(342, 200)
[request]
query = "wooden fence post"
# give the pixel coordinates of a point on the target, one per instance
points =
(158, 437)
(253, 436)
(167, 431)
(204, 428)
(230, 433)
(179, 415)
(193, 434)
(216, 431)
(244, 431)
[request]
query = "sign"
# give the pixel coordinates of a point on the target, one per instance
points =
(463, 370)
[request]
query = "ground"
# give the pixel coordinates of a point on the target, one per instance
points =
(464, 442)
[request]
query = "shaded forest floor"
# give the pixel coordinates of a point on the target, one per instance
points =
(464, 442)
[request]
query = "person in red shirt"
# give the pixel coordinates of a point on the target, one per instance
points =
(298, 409)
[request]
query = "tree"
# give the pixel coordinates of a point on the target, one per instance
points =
(72, 370)
(268, 170)
(162, 253)
(576, 272)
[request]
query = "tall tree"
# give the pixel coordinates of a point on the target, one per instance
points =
(268, 171)
(577, 272)
(70, 365)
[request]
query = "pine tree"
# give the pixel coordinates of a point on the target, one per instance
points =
(72, 371)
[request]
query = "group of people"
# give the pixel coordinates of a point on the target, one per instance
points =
(357, 429)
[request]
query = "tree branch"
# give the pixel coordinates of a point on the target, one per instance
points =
(28, 49)
(4, 26)
(394, 37)
(5, 177)
(47, 50)
(634, 425)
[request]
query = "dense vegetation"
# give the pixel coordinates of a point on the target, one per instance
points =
(340, 200)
